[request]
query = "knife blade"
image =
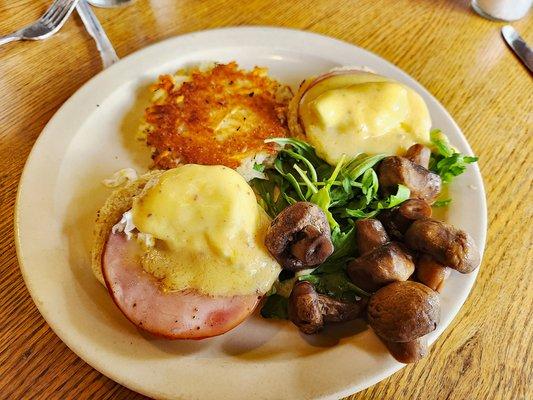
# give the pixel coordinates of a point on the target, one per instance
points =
(518, 45)
(93, 26)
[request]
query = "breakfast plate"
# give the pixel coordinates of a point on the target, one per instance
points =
(92, 136)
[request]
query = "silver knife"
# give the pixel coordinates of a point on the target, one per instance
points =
(518, 45)
(104, 46)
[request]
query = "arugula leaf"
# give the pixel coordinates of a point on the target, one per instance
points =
(441, 203)
(344, 243)
(259, 167)
(447, 162)
(441, 142)
(265, 189)
(323, 199)
(300, 146)
(275, 306)
(336, 285)
(309, 165)
(453, 166)
(369, 185)
(393, 200)
(278, 165)
(359, 165)
(303, 174)
(360, 214)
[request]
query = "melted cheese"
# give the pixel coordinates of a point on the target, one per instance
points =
(363, 113)
(210, 232)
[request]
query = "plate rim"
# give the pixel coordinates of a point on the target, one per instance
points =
(46, 134)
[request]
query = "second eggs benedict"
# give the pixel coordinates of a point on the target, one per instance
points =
(352, 112)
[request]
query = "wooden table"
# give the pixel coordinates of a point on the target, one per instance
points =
(487, 353)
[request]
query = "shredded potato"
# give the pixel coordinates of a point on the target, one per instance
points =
(215, 116)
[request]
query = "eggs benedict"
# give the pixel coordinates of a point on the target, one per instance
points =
(182, 251)
(353, 111)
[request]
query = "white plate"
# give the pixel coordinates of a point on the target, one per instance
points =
(90, 137)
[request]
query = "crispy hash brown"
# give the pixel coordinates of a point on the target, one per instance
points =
(219, 116)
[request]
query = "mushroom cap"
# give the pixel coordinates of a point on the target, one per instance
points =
(448, 245)
(404, 311)
(304, 308)
(299, 236)
(422, 183)
(369, 235)
(381, 266)
(398, 219)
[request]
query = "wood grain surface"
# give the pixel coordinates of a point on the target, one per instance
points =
(487, 352)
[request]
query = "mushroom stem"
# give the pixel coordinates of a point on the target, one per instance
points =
(304, 308)
(339, 311)
(309, 310)
(381, 266)
(431, 273)
(408, 352)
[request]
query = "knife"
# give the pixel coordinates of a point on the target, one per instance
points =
(518, 45)
(104, 46)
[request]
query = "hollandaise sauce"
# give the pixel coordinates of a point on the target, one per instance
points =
(363, 113)
(209, 232)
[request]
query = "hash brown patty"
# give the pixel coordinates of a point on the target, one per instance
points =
(218, 116)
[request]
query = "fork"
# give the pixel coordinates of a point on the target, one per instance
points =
(52, 20)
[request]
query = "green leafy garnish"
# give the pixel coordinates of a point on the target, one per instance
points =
(442, 203)
(275, 306)
(336, 285)
(259, 167)
(345, 192)
(446, 161)
(401, 195)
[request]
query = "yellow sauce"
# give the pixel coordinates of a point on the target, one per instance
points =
(363, 113)
(210, 232)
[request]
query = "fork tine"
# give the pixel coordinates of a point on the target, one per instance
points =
(64, 9)
(52, 10)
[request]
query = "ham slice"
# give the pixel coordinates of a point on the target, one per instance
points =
(185, 314)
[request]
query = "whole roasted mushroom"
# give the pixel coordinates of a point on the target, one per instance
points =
(370, 234)
(419, 154)
(422, 183)
(431, 273)
(309, 310)
(398, 219)
(381, 262)
(449, 246)
(401, 314)
(299, 237)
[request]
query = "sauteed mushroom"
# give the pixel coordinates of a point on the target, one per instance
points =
(304, 308)
(369, 234)
(383, 265)
(419, 154)
(397, 220)
(431, 273)
(395, 170)
(310, 310)
(299, 237)
(449, 246)
(401, 314)
(408, 352)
